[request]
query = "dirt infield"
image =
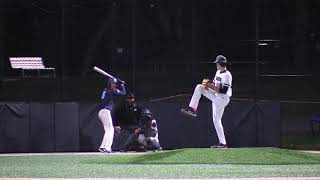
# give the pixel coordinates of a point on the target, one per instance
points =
(84, 153)
(69, 153)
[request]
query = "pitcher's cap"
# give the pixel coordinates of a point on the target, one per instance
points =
(220, 59)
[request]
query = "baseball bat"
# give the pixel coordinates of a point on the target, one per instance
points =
(95, 68)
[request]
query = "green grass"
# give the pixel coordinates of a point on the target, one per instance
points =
(182, 163)
(254, 156)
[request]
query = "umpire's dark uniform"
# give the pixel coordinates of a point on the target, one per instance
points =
(127, 115)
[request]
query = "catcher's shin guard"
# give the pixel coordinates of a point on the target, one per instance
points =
(154, 144)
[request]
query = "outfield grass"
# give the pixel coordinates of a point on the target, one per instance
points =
(183, 163)
(254, 156)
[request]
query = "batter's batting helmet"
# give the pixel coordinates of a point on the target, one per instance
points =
(112, 80)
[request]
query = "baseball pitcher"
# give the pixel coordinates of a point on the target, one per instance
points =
(219, 92)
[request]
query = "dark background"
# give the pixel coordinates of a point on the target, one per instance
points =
(148, 42)
(160, 48)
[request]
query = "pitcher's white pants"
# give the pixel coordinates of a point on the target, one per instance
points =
(219, 102)
(106, 119)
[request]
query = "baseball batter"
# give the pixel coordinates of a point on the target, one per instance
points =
(108, 99)
(219, 92)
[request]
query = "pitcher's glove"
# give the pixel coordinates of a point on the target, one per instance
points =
(206, 83)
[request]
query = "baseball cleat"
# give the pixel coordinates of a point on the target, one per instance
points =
(108, 151)
(189, 111)
(220, 145)
(123, 150)
(103, 150)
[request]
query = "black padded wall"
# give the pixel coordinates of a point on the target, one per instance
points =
(90, 128)
(14, 127)
(66, 126)
(253, 124)
(177, 130)
(42, 127)
(242, 125)
(2, 129)
(246, 124)
(269, 129)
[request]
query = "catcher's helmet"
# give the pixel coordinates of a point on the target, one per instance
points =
(146, 112)
(146, 117)
(220, 59)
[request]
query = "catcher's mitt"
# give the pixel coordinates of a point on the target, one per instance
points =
(206, 83)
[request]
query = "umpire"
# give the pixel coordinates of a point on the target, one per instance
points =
(127, 115)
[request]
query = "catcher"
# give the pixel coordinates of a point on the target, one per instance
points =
(219, 92)
(146, 136)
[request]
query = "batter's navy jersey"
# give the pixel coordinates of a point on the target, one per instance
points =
(109, 96)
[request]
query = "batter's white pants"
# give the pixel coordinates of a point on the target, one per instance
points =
(106, 119)
(219, 102)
